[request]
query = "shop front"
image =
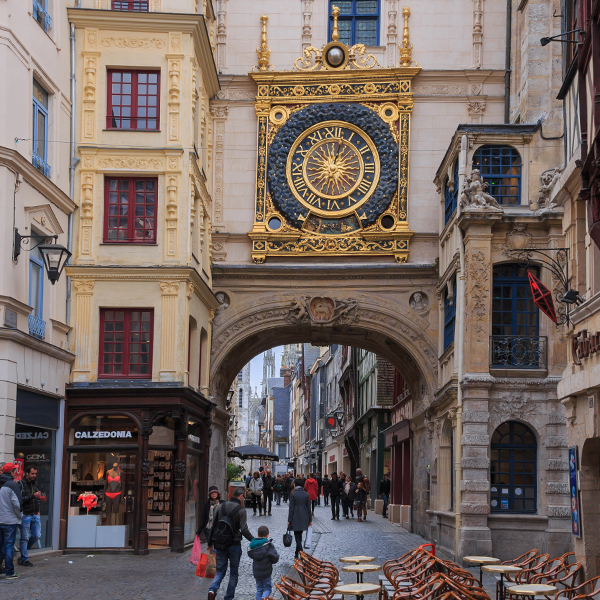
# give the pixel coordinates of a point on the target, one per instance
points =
(398, 439)
(135, 467)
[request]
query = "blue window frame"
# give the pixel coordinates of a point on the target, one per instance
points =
(449, 316)
(513, 311)
(36, 294)
(358, 22)
(40, 14)
(451, 195)
(513, 469)
(500, 168)
(40, 129)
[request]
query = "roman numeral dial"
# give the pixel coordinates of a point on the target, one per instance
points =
(333, 168)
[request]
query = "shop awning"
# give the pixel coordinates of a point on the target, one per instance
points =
(246, 452)
(399, 432)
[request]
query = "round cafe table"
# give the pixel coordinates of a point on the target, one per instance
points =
(361, 569)
(479, 561)
(503, 570)
(360, 590)
(531, 589)
(357, 559)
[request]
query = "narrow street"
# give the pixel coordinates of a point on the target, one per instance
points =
(165, 576)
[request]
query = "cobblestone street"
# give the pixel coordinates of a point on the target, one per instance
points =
(165, 576)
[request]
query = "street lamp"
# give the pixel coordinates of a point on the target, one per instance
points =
(54, 255)
(339, 415)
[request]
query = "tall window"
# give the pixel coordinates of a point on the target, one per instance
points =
(451, 195)
(513, 469)
(240, 397)
(130, 210)
(449, 316)
(37, 327)
(500, 168)
(130, 5)
(40, 14)
(126, 343)
(358, 22)
(40, 129)
(133, 100)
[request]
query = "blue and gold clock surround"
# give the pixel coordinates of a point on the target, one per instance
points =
(333, 161)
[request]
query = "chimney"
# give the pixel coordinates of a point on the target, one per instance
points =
(286, 373)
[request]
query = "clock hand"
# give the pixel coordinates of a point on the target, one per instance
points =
(338, 152)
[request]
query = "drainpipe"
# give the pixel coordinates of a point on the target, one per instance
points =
(507, 61)
(460, 297)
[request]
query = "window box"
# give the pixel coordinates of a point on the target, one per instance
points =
(133, 100)
(130, 205)
(126, 338)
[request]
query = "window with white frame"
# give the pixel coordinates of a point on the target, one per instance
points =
(40, 129)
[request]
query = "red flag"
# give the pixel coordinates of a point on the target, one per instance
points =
(542, 296)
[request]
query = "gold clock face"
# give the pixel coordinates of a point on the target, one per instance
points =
(333, 168)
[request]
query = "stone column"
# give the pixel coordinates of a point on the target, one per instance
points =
(84, 293)
(145, 432)
(168, 332)
(179, 473)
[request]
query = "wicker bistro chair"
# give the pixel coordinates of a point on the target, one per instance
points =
(418, 573)
(315, 580)
(563, 579)
(298, 590)
(318, 565)
(524, 560)
(579, 592)
(535, 568)
(403, 561)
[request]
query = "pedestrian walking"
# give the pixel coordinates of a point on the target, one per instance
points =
(279, 490)
(360, 478)
(312, 488)
(384, 492)
(299, 514)
(289, 487)
(320, 482)
(335, 490)
(230, 524)
(208, 513)
(256, 489)
(264, 555)
(361, 500)
(268, 485)
(10, 517)
(348, 497)
(31, 528)
(326, 489)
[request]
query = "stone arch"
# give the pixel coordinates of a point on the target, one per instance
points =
(369, 322)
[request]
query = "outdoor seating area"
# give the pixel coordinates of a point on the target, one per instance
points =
(421, 575)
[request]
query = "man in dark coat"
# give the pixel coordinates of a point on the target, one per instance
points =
(268, 485)
(299, 514)
(384, 492)
(335, 490)
(326, 489)
(320, 484)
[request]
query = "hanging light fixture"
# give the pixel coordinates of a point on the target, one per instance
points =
(55, 256)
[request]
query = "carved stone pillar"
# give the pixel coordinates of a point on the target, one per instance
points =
(179, 472)
(222, 36)
(90, 71)
(86, 221)
(84, 293)
(477, 33)
(168, 332)
(145, 432)
(219, 115)
(306, 23)
(392, 33)
(175, 63)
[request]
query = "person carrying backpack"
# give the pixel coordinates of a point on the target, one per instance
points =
(230, 524)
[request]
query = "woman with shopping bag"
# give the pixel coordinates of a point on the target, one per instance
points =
(299, 514)
(206, 521)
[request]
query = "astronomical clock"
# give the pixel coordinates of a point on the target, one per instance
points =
(333, 153)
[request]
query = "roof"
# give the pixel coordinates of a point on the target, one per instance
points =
(272, 383)
(311, 354)
(281, 412)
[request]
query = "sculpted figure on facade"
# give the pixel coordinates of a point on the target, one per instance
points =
(419, 302)
(548, 180)
(323, 310)
(474, 194)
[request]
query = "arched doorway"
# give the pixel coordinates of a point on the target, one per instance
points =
(366, 308)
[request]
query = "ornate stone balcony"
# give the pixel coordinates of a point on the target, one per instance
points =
(518, 352)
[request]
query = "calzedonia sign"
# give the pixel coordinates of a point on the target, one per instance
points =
(584, 345)
(103, 436)
(95, 435)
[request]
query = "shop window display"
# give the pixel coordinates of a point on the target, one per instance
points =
(160, 496)
(102, 501)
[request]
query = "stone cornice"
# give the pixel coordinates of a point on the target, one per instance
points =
(17, 162)
(22, 338)
(193, 24)
(473, 380)
(154, 273)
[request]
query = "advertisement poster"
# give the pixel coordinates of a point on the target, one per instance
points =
(20, 462)
(575, 520)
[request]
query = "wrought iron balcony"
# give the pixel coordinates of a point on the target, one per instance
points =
(518, 352)
(37, 327)
(41, 15)
(41, 165)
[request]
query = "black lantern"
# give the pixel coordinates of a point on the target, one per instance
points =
(339, 415)
(55, 258)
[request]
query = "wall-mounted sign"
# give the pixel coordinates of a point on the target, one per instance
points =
(584, 345)
(332, 458)
(32, 435)
(103, 430)
(575, 521)
(96, 435)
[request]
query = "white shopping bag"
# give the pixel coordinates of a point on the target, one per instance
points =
(308, 540)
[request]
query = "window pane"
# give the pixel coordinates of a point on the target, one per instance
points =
(366, 32)
(40, 94)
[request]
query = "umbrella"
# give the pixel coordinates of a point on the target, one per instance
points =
(245, 452)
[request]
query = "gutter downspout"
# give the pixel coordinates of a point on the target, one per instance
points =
(73, 161)
(507, 61)
(460, 297)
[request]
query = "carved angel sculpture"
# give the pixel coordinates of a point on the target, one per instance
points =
(307, 63)
(474, 194)
(299, 310)
(548, 180)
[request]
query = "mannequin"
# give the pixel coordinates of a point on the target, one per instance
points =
(112, 491)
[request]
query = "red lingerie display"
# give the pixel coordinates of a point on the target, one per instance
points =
(89, 501)
(116, 484)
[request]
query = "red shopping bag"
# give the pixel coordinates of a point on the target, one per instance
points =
(202, 564)
(196, 551)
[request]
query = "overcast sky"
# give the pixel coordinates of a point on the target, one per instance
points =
(256, 368)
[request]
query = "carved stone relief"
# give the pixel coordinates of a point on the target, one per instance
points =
(306, 23)
(419, 302)
(479, 290)
(322, 310)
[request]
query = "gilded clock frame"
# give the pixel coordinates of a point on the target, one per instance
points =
(386, 91)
